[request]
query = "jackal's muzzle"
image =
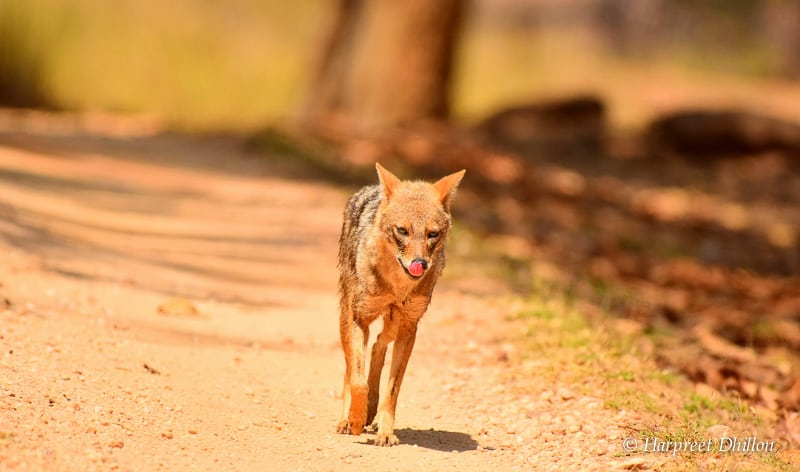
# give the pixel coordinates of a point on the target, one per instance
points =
(415, 268)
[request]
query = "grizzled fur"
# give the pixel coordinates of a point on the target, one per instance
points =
(386, 229)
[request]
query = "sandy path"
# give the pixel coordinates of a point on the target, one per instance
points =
(97, 230)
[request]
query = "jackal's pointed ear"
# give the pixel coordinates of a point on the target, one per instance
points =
(446, 187)
(388, 180)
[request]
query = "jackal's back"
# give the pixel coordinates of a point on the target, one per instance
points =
(359, 216)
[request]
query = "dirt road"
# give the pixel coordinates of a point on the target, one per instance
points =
(170, 305)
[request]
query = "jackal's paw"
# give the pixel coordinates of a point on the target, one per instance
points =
(386, 440)
(373, 428)
(347, 427)
(343, 427)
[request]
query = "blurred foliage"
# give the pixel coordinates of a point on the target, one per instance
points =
(241, 63)
(196, 63)
(643, 58)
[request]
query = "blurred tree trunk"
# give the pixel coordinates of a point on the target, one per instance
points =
(386, 62)
(632, 28)
(781, 28)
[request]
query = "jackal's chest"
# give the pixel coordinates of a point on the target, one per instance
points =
(388, 305)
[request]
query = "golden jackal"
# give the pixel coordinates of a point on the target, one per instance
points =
(391, 254)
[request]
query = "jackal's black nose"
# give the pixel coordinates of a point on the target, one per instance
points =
(422, 262)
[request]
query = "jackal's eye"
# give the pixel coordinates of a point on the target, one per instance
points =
(433, 235)
(402, 231)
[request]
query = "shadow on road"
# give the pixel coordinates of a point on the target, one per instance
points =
(437, 440)
(164, 212)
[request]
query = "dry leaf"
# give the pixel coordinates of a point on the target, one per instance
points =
(178, 306)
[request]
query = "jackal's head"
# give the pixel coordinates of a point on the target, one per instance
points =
(415, 218)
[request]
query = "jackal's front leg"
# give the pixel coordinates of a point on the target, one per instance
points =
(403, 345)
(354, 410)
(375, 368)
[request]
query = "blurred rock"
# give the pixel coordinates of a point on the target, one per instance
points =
(721, 133)
(580, 119)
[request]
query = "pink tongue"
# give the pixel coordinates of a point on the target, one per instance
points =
(416, 268)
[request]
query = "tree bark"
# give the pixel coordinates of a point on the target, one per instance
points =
(781, 29)
(386, 62)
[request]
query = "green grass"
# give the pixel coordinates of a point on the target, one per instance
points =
(696, 404)
(541, 313)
